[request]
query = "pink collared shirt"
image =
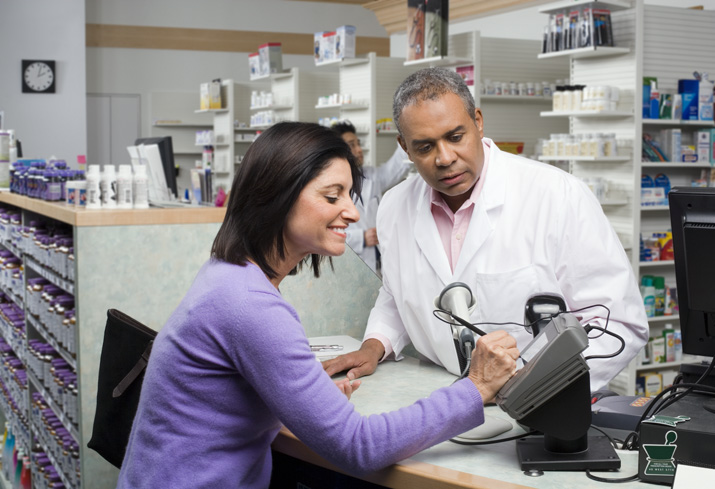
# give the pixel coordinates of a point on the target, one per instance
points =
(452, 228)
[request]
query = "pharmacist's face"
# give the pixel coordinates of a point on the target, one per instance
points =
(355, 146)
(318, 221)
(445, 145)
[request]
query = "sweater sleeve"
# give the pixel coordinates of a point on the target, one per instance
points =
(273, 354)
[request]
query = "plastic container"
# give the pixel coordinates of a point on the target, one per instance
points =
(141, 188)
(94, 200)
(107, 186)
(125, 180)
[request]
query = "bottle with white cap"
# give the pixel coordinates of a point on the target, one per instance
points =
(124, 187)
(93, 196)
(141, 187)
(108, 187)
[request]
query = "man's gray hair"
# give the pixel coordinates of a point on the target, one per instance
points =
(430, 84)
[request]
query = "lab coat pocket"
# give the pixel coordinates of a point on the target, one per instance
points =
(501, 297)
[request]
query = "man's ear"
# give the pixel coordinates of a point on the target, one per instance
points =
(480, 121)
(402, 144)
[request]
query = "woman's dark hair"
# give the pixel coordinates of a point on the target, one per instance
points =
(275, 169)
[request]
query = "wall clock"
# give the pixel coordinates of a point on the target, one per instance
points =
(38, 76)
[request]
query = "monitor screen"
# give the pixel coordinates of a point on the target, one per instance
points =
(166, 149)
(692, 216)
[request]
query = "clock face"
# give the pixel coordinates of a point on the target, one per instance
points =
(38, 76)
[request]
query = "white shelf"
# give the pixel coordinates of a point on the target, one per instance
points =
(261, 127)
(272, 107)
(657, 366)
(676, 122)
(244, 129)
(588, 52)
(272, 76)
(592, 114)
(536, 99)
(657, 263)
(343, 106)
(181, 124)
(609, 4)
(594, 159)
(440, 61)
(345, 62)
(387, 132)
(664, 319)
(210, 111)
(48, 274)
(646, 208)
(665, 164)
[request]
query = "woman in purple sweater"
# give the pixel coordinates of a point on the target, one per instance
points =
(233, 363)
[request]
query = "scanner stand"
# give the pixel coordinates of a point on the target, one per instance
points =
(565, 445)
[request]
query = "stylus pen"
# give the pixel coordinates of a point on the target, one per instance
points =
(468, 325)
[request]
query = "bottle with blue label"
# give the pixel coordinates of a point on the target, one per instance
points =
(648, 292)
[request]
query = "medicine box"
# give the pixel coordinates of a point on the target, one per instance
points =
(327, 46)
(689, 89)
(345, 42)
(204, 95)
(254, 66)
(703, 146)
(215, 94)
(705, 99)
(271, 58)
(318, 47)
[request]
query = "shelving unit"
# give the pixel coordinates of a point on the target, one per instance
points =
(665, 49)
(98, 278)
(371, 82)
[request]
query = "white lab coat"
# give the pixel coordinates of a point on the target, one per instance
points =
(534, 229)
(376, 181)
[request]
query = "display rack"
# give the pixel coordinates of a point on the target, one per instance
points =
(103, 273)
(667, 48)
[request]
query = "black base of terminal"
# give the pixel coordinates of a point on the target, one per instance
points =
(599, 455)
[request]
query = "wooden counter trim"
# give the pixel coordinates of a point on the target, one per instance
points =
(408, 474)
(115, 217)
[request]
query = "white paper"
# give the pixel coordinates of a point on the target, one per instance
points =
(158, 189)
(348, 343)
(690, 476)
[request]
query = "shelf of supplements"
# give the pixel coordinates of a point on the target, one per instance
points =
(16, 342)
(8, 245)
(50, 275)
(588, 159)
(59, 412)
(46, 336)
(602, 114)
(527, 99)
(53, 460)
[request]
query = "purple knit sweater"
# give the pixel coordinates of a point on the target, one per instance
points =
(231, 364)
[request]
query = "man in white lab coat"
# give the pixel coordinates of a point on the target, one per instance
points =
(507, 226)
(362, 235)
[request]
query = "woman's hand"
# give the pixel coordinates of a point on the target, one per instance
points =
(347, 387)
(493, 363)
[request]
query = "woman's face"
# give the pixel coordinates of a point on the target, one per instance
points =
(318, 220)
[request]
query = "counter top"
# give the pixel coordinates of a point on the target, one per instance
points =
(115, 217)
(398, 384)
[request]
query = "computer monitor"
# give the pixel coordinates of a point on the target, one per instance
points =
(166, 150)
(692, 216)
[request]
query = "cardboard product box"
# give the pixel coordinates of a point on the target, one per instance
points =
(254, 66)
(327, 45)
(271, 58)
(415, 29)
(436, 27)
(653, 384)
(703, 146)
(204, 96)
(318, 47)
(705, 99)
(689, 90)
(215, 94)
(345, 42)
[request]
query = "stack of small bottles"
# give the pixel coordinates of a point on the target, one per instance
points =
(9, 226)
(12, 325)
(50, 247)
(40, 179)
(56, 440)
(56, 376)
(54, 309)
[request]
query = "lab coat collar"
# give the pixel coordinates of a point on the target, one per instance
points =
(480, 226)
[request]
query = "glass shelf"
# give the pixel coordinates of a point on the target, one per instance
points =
(612, 5)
